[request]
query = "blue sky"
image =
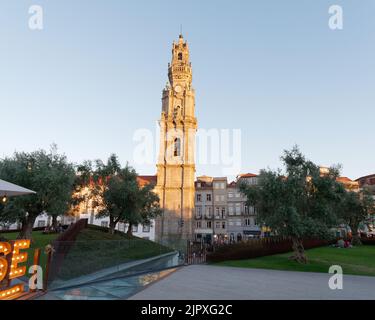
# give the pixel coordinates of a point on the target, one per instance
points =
(273, 69)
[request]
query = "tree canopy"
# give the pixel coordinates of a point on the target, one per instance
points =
(356, 208)
(300, 202)
(116, 194)
(49, 174)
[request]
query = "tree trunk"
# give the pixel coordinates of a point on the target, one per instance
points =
(27, 227)
(112, 225)
(356, 238)
(130, 230)
(298, 251)
(54, 222)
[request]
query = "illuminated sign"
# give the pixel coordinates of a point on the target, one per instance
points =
(10, 258)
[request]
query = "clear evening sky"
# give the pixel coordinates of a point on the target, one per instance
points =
(273, 69)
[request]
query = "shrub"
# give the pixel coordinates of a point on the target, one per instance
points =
(259, 248)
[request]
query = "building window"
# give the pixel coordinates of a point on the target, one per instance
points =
(247, 222)
(146, 228)
(177, 147)
(223, 211)
(198, 212)
(104, 224)
(180, 56)
(238, 209)
(218, 213)
(199, 185)
(223, 224)
(222, 198)
(222, 186)
(247, 210)
(231, 210)
(209, 198)
(217, 225)
(239, 237)
(135, 228)
(41, 224)
(217, 198)
(209, 224)
(199, 197)
(199, 224)
(208, 212)
(230, 195)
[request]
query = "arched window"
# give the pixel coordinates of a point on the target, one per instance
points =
(180, 56)
(176, 111)
(232, 237)
(177, 147)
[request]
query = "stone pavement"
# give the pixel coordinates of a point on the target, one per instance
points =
(204, 282)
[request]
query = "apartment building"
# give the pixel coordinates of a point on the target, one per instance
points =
(220, 204)
(242, 222)
(204, 218)
(221, 213)
(367, 182)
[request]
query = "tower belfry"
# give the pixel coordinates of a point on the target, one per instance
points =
(176, 162)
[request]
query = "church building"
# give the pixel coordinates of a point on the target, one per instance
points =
(176, 162)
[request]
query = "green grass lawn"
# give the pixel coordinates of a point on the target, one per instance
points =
(95, 250)
(40, 240)
(356, 261)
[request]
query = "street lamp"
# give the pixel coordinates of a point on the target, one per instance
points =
(4, 199)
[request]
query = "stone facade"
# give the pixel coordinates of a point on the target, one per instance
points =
(367, 182)
(221, 213)
(204, 209)
(176, 163)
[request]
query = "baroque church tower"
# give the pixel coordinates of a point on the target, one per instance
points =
(176, 163)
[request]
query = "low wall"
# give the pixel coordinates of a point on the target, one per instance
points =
(368, 241)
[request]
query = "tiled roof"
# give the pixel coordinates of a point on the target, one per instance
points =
(366, 177)
(344, 179)
(247, 175)
(145, 180)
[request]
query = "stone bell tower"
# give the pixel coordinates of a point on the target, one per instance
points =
(176, 163)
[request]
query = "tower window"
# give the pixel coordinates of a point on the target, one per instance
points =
(180, 56)
(177, 147)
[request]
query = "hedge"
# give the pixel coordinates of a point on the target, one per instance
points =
(260, 248)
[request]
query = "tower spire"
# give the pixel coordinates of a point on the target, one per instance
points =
(176, 162)
(180, 68)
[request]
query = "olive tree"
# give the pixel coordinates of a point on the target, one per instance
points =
(299, 203)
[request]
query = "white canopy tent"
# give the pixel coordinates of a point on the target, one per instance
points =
(8, 189)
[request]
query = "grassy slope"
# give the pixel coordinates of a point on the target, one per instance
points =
(357, 261)
(95, 250)
(40, 240)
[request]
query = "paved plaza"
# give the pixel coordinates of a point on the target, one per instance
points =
(203, 282)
